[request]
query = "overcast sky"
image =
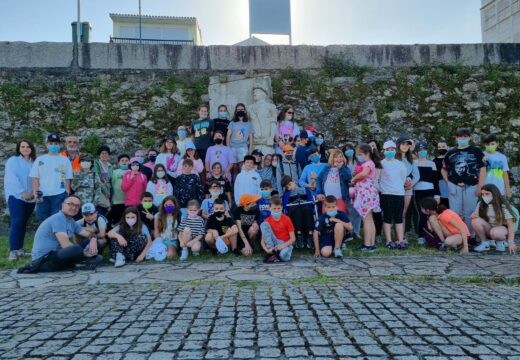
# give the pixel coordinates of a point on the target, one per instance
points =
(314, 22)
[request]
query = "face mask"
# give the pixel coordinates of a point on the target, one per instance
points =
(160, 174)
(219, 141)
(276, 214)
(491, 149)
(123, 166)
(265, 193)
(53, 149)
(289, 157)
(442, 152)
(361, 159)
(223, 115)
(193, 213)
(202, 116)
(275, 163)
(349, 153)
(332, 213)
(219, 213)
(390, 154)
(487, 198)
(422, 153)
(152, 158)
(140, 159)
(214, 194)
(241, 113)
(169, 209)
(319, 141)
(147, 205)
(315, 158)
(463, 143)
(181, 133)
(131, 222)
(288, 117)
(85, 164)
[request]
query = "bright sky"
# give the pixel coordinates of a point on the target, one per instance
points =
(314, 22)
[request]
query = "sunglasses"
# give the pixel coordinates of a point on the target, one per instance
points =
(290, 112)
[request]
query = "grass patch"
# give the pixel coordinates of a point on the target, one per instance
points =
(476, 279)
(320, 279)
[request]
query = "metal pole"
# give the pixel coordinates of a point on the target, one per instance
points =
(290, 24)
(78, 25)
(140, 24)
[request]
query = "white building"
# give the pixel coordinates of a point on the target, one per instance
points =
(500, 21)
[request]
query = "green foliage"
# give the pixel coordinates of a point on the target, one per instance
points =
(336, 66)
(91, 144)
(34, 135)
(148, 142)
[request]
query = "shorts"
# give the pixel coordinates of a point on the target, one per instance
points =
(392, 207)
(240, 153)
(327, 240)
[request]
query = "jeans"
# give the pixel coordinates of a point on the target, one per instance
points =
(20, 213)
(50, 206)
(63, 259)
(271, 241)
(463, 201)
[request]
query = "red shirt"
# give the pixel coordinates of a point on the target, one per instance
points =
(282, 227)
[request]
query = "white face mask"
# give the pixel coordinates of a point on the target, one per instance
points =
(274, 163)
(160, 174)
(487, 198)
(131, 222)
(85, 164)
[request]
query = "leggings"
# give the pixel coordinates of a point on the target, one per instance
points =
(302, 218)
(422, 219)
(135, 247)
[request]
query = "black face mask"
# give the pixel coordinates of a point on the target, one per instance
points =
(442, 152)
(241, 113)
(219, 213)
(218, 141)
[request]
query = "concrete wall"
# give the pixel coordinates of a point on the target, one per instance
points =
(104, 56)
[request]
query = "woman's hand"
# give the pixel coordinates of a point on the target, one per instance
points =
(512, 247)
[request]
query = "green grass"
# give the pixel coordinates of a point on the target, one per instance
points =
(4, 253)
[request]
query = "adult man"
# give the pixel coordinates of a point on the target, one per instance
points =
(72, 152)
(52, 249)
(51, 179)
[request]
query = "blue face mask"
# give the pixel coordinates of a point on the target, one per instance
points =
(140, 159)
(349, 153)
(265, 193)
(319, 141)
(390, 154)
(53, 149)
(423, 153)
(123, 166)
(315, 158)
(463, 142)
(332, 213)
(181, 133)
(276, 214)
(223, 115)
(361, 159)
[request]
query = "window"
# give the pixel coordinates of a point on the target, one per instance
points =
(175, 34)
(127, 31)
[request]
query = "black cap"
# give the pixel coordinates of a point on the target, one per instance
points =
(402, 139)
(257, 152)
(53, 138)
(169, 137)
(304, 134)
(421, 145)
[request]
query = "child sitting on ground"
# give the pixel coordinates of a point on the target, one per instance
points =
(277, 234)
(221, 232)
(191, 231)
(331, 228)
(98, 223)
(266, 189)
(246, 217)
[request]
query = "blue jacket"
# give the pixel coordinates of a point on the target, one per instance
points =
(345, 177)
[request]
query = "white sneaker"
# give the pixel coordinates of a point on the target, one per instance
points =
(22, 253)
(484, 246)
(421, 241)
(120, 260)
(13, 256)
(184, 254)
(492, 243)
(338, 253)
(501, 246)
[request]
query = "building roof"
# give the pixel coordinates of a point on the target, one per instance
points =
(252, 41)
(155, 18)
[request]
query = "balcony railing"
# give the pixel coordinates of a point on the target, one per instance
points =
(120, 40)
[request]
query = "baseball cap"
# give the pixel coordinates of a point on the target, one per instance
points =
(86, 157)
(402, 139)
(421, 145)
(88, 209)
(53, 138)
(190, 145)
(134, 160)
(287, 148)
(311, 128)
(389, 144)
(222, 248)
(247, 199)
(304, 134)
(168, 137)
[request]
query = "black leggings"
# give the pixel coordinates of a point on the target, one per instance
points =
(302, 218)
(132, 250)
(419, 195)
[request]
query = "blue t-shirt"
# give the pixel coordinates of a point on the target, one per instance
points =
(208, 204)
(45, 239)
(263, 207)
(326, 227)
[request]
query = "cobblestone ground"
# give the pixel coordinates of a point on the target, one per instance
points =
(218, 318)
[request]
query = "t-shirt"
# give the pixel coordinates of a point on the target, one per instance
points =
(100, 223)
(144, 230)
(220, 225)
(221, 154)
(221, 125)
(196, 225)
(240, 132)
(326, 227)
(393, 177)
(449, 215)
(153, 210)
(463, 165)
(45, 238)
(287, 129)
(52, 171)
(281, 228)
(118, 196)
(247, 218)
(201, 130)
(263, 208)
(208, 204)
(332, 185)
(496, 165)
(490, 212)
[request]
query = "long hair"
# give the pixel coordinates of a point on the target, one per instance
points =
(154, 176)
(164, 150)
(162, 216)
(281, 115)
(32, 155)
(195, 156)
(429, 203)
(408, 155)
(335, 153)
(367, 150)
(497, 203)
(126, 230)
(235, 117)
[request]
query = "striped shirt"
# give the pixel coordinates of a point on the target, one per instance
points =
(196, 225)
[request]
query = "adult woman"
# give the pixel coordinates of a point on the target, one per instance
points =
(334, 180)
(240, 134)
(18, 194)
(320, 145)
(286, 129)
(104, 169)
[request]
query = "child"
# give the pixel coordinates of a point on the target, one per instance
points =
(247, 217)
(494, 221)
(497, 167)
(86, 184)
(118, 196)
(191, 231)
(98, 224)
(165, 234)
(219, 153)
(298, 204)
(130, 240)
(404, 154)
(266, 190)
(248, 181)
(202, 130)
(216, 171)
(447, 225)
(187, 187)
(159, 185)
(182, 133)
(391, 183)
(215, 192)
(169, 156)
(289, 166)
(133, 183)
(367, 199)
(277, 234)
(221, 232)
(311, 171)
(330, 230)
(442, 150)
(191, 154)
(147, 210)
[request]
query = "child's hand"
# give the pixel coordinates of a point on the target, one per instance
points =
(317, 253)
(248, 250)
(320, 197)
(122, 241)
(334, 220)
(148, 215)
(279, 247)
(474, 215)
(140, 258)
(512, 247)
(92, 248)
(464, 250)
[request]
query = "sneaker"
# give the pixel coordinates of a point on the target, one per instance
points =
(184, 254)
(271, 258)
(371, 249)
(310, 242)
(91, 263)
(13, 256)
(350, 237)
(364, 248)
(484, 246)
(501, 246)
(237, 252)
(338, 253)
(357, 236)
(379, 239)
(421, 241)
(391, 245)
(299, 241)
(493, 243)
(112, 260)
(22, 253)
(196, 254)
(120, 260)
(442, 247)
(401, 245)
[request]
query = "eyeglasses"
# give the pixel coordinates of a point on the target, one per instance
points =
(73, 205)
(290, 112)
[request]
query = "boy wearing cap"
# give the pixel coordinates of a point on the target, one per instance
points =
(86, 183)
(247, 218)
(465, 172)
(277, 234)
(221, 232)
(248, 181)
(51, 179)
(98, 226)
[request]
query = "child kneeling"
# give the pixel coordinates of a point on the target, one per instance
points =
(277, 234)
(330, 229)
(221, 232)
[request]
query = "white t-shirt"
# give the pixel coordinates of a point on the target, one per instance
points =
(393, 177)
(52, 171)
(332, 185)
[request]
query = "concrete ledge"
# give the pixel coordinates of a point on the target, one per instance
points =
(240, 58)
